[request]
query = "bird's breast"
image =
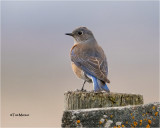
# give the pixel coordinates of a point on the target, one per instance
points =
(79, 73)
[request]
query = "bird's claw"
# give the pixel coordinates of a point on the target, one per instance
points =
(83, 90)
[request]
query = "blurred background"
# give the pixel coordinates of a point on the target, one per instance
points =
(35, 62)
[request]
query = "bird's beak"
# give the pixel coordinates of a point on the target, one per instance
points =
(69, 34)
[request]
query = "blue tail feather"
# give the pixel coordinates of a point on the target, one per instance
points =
(105, 88)
(95, 84)
(98, 85)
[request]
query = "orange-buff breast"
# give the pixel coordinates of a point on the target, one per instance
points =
(79, 73)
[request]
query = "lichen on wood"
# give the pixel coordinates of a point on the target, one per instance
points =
(127, 116)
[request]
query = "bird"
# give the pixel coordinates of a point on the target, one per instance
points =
(88, 59)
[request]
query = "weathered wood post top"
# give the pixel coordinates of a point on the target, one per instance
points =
(82, 99)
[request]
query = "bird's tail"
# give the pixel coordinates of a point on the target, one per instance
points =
(99, 85)
(103, 86)
(96, 86)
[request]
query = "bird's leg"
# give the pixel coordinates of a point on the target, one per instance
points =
(83, 85)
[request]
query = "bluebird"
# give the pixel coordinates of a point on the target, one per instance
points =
(88, 59)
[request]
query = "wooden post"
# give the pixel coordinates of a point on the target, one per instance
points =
(82, 100)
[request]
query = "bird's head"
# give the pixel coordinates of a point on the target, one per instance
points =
(81, 35)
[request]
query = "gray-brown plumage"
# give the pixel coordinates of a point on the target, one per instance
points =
(88, 59)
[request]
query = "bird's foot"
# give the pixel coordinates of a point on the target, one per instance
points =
(82, 90)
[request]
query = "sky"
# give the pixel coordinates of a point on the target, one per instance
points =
(35, 62)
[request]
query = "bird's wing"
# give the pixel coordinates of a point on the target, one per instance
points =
(92, 65)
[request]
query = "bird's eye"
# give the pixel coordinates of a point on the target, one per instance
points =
(80, 33)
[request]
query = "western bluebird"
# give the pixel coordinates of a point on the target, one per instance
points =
(88, 59)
